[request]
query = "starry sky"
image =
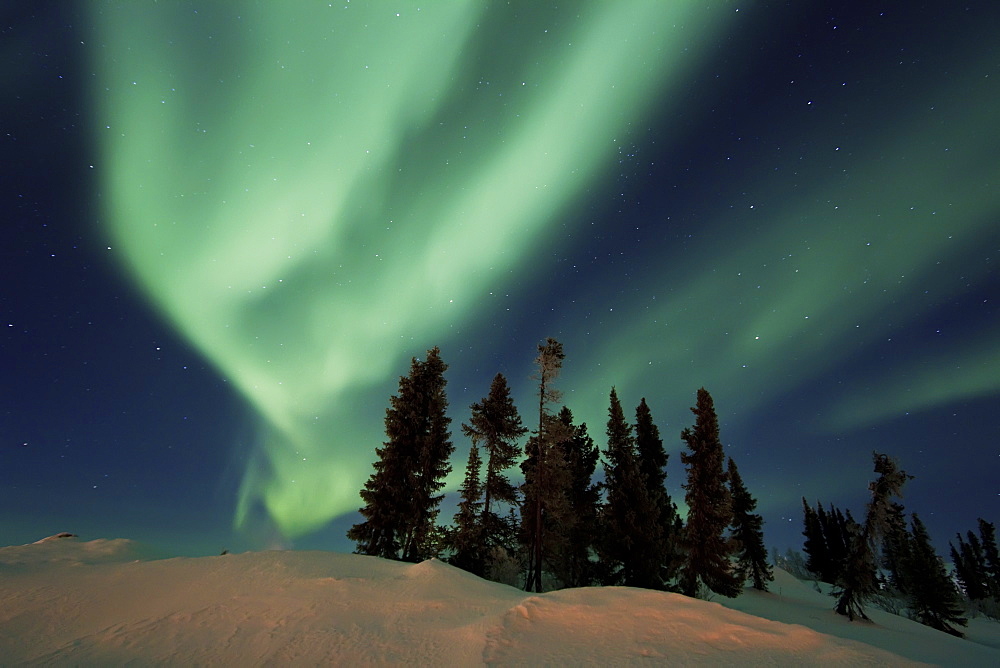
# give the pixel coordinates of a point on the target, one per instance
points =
(229, 226)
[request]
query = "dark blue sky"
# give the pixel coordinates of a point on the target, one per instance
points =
(795, 207)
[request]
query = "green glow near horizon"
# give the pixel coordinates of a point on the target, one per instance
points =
(301, 197)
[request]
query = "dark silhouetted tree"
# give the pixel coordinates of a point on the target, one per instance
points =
(544, 470)
(467, 540)
(631, 545)
(495, 425)
(815, 548)
(896, 549)
(748, 532)
(975, 561)
(826, 533)
(401, 499)
(707, 552)
(836, 529)
(970, 567)
(570, 560)
(859, 579)
(991, 557)
(931, 593)
(653, 466)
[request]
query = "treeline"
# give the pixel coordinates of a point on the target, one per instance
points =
(560, 527)
(892, 563)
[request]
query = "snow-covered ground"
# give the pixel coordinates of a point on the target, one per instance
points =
(109, 602)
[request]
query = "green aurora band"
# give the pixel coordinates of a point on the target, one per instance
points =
(795, 292)
(794, 295)
(305, 195)
(316, 195)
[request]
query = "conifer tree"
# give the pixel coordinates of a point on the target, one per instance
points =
(970, 567)
(977, 563)
(991, 557)
(649, 446)
(495, 425)
(631, 546)
(896, 549)
(930, 591)
(817, 552)
(653, 466)
(433, 460)
(859, 580)
(707, 552)
(827, 534)
(570, 560)
(836, 529)
(748, 533)
(467, 538)
(384, 510)
(835, 540)
(401, 500)
(544, 470)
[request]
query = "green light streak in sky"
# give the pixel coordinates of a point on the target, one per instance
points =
(806, 281)
(304, 196)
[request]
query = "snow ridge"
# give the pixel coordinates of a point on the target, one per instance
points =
(67, 602)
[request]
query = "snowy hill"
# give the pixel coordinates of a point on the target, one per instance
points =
(69, 602)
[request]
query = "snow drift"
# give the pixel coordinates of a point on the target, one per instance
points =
(67, 602)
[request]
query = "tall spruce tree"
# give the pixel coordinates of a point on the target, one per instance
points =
(970, 567)
(832, 538)
(710, 511)
(896, 549)
(495, 425)
(653, 466)
(570, 560)
(977, 563)
(466, 540)
(991, 557)
(401, 500)
(836, 529)
(631, 545)
(859, 580)
(544, 470)
(815, 547)
(827, 535)
(748, 532)
(931, 593)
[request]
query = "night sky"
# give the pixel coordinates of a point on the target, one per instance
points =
(228, 226)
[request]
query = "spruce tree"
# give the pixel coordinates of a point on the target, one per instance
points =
(433, 461)
(570, 561)
(836, 542)
(631, 546)
(977, 563)
(384, 510)
(930, 591)
(653, 466)
(991, 557)
(859, 580)
(707, 552)
(401, 500)
(543, 468)
(495, 425)
(466, 540)
(896, 549)
(815, 547)
(970, 567)
(748, 533)
(836, 529)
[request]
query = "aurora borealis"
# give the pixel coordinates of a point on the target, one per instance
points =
(796, 208)
(322, 238)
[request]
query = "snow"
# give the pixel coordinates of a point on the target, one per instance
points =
(106, 602)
